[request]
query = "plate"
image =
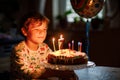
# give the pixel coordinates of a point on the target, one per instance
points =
(68, 67)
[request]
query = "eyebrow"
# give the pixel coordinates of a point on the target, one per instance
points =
(39, 28)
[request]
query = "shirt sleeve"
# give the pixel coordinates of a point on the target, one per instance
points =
(19, 63)
(22, 65)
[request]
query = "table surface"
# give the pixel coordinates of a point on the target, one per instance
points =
(93, 73)
(98, 73)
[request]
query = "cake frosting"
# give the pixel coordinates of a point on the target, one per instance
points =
(68, 57)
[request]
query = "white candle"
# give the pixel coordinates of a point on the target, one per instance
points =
(53, 40)
(72, 44)
(69, 45)
(60, 42)
(79, 46)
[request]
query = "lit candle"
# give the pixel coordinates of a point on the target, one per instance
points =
(60, 42)
(69, 45)
(72, 44)
(79, 46)
(53, 40)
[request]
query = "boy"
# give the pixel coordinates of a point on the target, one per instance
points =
(29, 53)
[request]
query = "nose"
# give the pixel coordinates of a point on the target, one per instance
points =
(41, 32)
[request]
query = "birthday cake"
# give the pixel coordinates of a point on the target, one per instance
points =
(67, 57)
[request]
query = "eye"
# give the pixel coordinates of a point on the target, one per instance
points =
(37, 30)
(34, 29)
(45, 29)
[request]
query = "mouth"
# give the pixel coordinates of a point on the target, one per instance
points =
(41, 37)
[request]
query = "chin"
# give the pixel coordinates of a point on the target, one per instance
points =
(40, 42)
(36, 42)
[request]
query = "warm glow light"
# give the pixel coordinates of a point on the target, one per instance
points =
(72, 44)
(60, 42)
(69, 45)
(53, 40)
(61, 36)
(90, 3)
(80, 46)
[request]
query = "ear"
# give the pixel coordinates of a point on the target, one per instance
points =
(24, 31)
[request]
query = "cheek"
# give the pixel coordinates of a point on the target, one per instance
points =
(45, 34)
(30, 34)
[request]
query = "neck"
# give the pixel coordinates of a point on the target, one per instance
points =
(31, 45)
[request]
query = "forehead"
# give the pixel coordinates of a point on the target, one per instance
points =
(38, 24)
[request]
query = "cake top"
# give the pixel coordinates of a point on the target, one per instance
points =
(68, 53)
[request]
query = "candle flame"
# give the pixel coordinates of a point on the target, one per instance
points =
(72, 41)
(72, 44)
(90, 2)
(80, 46)
(69, 45)
(78, 43)
(60, 42)
(61, 36)
(53, 39)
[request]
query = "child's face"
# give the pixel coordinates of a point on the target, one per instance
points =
(37, 33)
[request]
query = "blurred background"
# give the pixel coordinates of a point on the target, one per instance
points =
(104, 28)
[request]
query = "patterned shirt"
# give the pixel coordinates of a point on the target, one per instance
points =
(25, 63)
